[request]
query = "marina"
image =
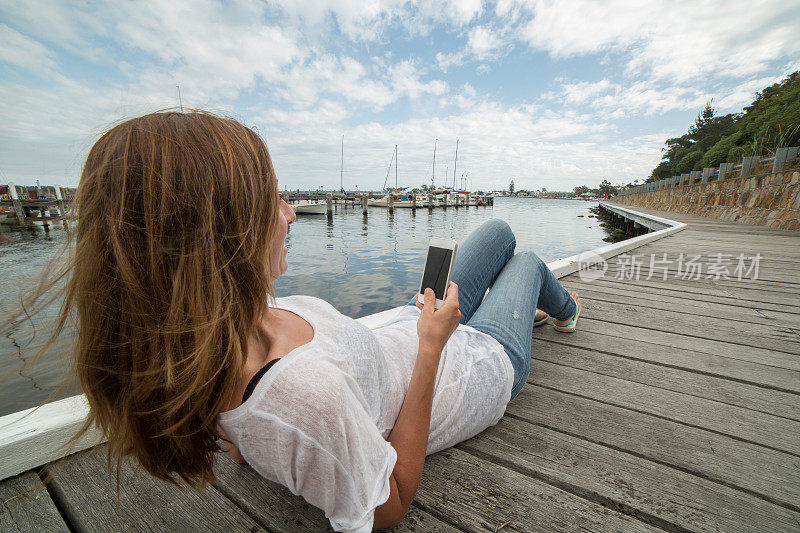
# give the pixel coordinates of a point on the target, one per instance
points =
(674, 407)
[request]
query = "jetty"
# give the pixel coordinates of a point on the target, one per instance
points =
(391, 201)
(34, 204)
(674, 407)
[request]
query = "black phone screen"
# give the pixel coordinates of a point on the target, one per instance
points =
(436, 269)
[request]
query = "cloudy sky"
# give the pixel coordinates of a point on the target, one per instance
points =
(550, 94)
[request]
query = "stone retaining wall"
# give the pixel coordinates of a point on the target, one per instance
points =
(767, 200)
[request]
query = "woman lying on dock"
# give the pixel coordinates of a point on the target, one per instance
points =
(182, 343)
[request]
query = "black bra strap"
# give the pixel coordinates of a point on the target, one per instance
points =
(251, 386)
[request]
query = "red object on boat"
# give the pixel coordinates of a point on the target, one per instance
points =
(461, 192)
(3, 189)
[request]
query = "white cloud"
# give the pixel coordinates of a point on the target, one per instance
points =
(617, 100)
(741, 95)
(368, 20)
(445, 61)
(483, 42)
(668, 40)
(306, 72)
(23, 52)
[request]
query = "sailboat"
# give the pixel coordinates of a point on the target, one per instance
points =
(400, 198)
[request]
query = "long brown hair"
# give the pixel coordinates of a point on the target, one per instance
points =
(168, 275)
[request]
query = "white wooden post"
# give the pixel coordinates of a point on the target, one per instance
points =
(12, 190)
(62, 210)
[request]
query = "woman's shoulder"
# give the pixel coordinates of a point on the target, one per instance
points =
(302, 301)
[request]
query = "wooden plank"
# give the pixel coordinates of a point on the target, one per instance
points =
(656, 494)
(86, 491)
(672, 357)
(748, 467)
(27, 507)
(742, 294)
(783, 281)
(731, 235)
(276, 509)
(782, 339)
(777, 276)
(743, 315)
(767, 245)
(699, 294)
(776, 258)
(770, 243)
(677, 340)
(752, 397)
(767, 310)
(477, 495)
(767, 430)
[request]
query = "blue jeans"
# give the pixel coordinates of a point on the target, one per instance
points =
(518, 285)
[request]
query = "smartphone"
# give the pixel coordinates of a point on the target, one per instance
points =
(438, 269)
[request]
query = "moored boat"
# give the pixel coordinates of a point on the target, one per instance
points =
(309, 208)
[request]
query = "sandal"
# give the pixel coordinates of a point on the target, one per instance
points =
(570, 326)
(540, 319)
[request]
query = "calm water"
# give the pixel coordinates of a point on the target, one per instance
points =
(360, 265)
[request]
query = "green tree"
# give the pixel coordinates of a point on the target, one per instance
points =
(770, 121)
(511, 187)
(577, 191)
(703, 121)
(606, 188)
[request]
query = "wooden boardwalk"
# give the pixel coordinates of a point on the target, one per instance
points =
(676, 406)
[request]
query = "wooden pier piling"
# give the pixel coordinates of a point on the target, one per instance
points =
(12, 190)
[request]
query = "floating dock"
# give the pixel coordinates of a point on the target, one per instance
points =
(675, 406)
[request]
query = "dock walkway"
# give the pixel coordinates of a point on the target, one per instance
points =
(676, 406)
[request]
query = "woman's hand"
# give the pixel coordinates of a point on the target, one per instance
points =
(435, 326)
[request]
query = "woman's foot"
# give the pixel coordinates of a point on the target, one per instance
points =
(540, 319)
(568, 325)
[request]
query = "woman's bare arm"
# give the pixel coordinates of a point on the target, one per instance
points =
(409, 437)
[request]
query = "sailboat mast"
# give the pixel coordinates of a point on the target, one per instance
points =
(433, 175)
(395, 167)
(455, 164)
(180, 100)
(341, 169)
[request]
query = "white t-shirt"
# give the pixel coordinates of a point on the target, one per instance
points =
(318, 419)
